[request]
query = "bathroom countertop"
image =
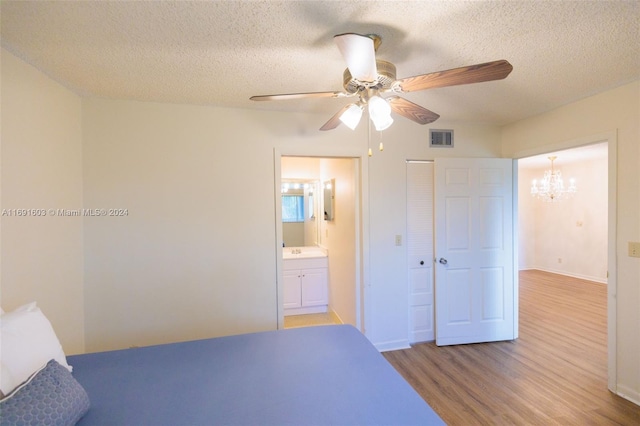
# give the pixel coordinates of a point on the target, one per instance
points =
(303, 253)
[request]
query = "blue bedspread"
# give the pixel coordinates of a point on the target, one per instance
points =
(328, 375)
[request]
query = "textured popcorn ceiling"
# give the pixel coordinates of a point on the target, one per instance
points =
(223, 52)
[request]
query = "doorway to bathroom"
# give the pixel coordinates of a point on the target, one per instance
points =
(318, 214)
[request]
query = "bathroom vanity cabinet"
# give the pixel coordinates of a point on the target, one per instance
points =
(305, 286)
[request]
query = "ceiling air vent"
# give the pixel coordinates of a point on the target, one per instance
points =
(440, 138)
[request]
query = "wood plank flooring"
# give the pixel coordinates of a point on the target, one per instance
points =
(555, 373)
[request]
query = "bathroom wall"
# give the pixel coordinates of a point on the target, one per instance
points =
(339, 237)
(293, 234)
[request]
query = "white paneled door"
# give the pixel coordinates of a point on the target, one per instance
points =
(420, 250)
(474, 282)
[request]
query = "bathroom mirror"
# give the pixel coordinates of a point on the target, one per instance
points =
(328, 188)
(300, 208)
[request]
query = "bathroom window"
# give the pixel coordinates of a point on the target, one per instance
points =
(293, 208)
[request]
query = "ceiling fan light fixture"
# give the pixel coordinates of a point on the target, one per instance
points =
(380, 113)
(352, 115)
(367, 76)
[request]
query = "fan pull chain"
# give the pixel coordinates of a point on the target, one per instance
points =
(380, 146)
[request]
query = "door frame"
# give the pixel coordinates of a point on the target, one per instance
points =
(361, 219)
(611, 137)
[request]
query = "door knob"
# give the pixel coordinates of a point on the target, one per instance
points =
(443, 261)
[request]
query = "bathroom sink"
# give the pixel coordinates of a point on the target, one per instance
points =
(302, 252)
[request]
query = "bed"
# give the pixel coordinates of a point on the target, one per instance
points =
(325, 375)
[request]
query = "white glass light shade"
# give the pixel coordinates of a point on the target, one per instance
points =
(382, 123)
(351, 117)
(380, 113)
(378, 107)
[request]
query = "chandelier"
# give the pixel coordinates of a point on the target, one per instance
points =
(551, 187)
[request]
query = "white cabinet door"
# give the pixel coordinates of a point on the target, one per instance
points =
(291, 285)
(314, 287)
(474, 285)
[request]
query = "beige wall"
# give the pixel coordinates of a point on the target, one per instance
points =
(618, 111)
(194, 258)
(339, 237)
(300, 168)
(42, 257)
(527, 224)
(573, 230)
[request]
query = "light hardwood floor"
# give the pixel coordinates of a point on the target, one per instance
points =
(294, 321)
(555, 373)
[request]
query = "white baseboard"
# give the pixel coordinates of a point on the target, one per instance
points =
(335, 314)
(628, 394)
(392, 345)
(569, 274)
(308, 310)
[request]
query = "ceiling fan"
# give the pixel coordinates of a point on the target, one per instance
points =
(367, 78)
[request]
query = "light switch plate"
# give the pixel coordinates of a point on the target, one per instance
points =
(634, 249)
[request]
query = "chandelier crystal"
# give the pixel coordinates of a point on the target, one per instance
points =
(551, 187)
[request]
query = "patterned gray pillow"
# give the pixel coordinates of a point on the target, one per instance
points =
(50, 397)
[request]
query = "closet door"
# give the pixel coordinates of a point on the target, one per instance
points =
(420, 250)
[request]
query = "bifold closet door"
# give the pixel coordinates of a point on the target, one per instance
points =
(420, 251)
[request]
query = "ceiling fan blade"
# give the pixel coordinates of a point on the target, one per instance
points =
(335, 120)
(488, 71)
(412, 111)
(288, 96)
(359, 53)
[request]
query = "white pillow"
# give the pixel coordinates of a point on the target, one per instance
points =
(28, 343)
